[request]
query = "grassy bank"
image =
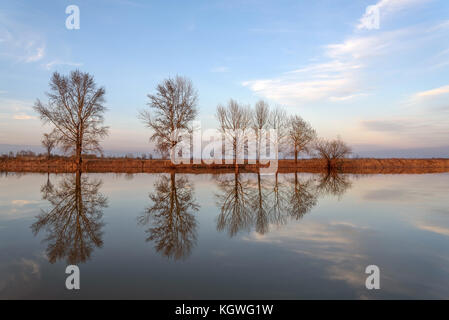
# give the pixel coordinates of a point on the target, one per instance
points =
(362, 166)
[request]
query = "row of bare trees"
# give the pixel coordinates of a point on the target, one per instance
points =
(75, 109)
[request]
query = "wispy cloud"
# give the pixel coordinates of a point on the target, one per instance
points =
(21, 203)
(397, 125)
(35, 54)
(272, 30)
(434, 100)
(19, 42)
(435, 229)
(54, 63)
(16, 109)
(334, 79)
(386, 8)
(293, 90)
(420, 130)
(341, 73)
(23, 116)
(433, 92)
(220, 69)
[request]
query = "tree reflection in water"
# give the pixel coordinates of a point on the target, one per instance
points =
(333, 183)
(74, 222)
(252, 201)
(302, 197)
(234, 202)
(173, 224)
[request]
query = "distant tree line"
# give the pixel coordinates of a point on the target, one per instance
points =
(75, 110)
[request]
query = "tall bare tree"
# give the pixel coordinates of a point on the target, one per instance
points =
(49, 142)
(235, 120)
(278, 121)
(172, 110)
(333, 151)
(260, 123)
(300, 135)
(75, 109)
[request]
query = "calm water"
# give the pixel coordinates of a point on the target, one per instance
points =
(166, 236)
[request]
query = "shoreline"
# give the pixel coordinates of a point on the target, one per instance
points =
(121, 165)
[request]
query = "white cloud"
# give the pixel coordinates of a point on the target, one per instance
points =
(19, 42)
(220, 69)
(336, 79)
(385, 9)
(23, 116)
(21, 203)
(435, 229)
(363, 47)
(341, 74)
(36, 54)
(433, 92)
(332, 66)
(346, 98)
(16, 109)
(290, 90)
(15, 105)
(53, 63)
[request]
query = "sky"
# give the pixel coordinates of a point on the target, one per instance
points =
(382, 87)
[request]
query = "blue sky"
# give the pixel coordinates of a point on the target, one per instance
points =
(384, 91)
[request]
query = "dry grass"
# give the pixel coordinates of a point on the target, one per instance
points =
(362, 166)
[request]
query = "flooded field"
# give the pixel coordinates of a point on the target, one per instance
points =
(227, 236)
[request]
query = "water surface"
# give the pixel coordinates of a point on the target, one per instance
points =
(230, 236)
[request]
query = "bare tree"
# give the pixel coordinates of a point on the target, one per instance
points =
(300, 135)
(278, 122)
(49, 142)
(75, 109)
(235, 120)
(260, 123)
(172, 109)
(332, 151)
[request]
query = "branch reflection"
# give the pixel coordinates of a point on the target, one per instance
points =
(302, 197)
(234, 202)
(333, 183)
(171, 217)
(74, 222)
(252, 201)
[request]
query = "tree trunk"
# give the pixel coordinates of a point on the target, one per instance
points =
(78, 156)
(258, 149)
(296, 180)
(260, 190)
(78, 193)
(235, 153)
